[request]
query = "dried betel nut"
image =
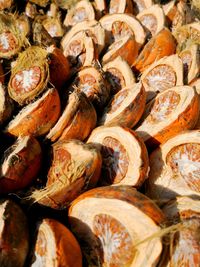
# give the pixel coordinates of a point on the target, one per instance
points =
(162, 74)
(41, 3)
(93, 83)
(175, 167)
(120, 6)
(171, 112)
(24, 25)
(125, 47)
(55, 246)
(81, 11)
(77, 120)
(126, 107)
(125, 158)
(5, 4)
(92, 28)
(75, 168)
(6, 105)
(184, 245)
(119, 74)
(29, 75)
(14, 234)
(161, 45)
(122, 25)
(38, 117)
(81, 51)
(196, 85)
(191, 62)
(11, 38)
(20, 164)
(140, 5)
(100, 8)
(153, 19)
(110, 221)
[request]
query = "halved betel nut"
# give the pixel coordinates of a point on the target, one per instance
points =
(153, 19)
(125, 158)
(14, 234)
(75, 168)
(162, 75)
(140, 5)
(38, 117)
(77, 120)
(81, 11)
(161, 45)
(119, 74)
(55, 246)
(184, 245)
(29, 76)
(171, 112)
(92, 29)
(6, 105)
(191, 62)
(110, 221)
(175, 168)
(125, 47)
(11, 38)
(122, 25)
(126, 107)
(81, 51)
(120, 6)
(93, 83)
(20, 164)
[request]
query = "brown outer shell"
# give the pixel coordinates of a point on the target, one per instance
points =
(14, 235)
(187, 119)
(68, 252)
(6, 105)
(161, 45)
(137, 175)
(38, 117)
(130, 110)
(78, 112)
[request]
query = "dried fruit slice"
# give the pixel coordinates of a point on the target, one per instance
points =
(125, 159)
(20, 164)
(91, 28)
(75, 168)
(11, 38)
(191, 62)
(170, 113)
(120, 6)
(38, 117)
(6, 4)
(184, 246)
(92, 82)
(161, 45)
(140, 5)
(109, 221)
(125, 47)
(78, 112)
(14, 234)
(80, 12)
(153, 19)
(6, 105)
(122, 25)
(80, 51)
(175, 168)
(55, 246)
(126, 107)
(119, 74)
(162, 75)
